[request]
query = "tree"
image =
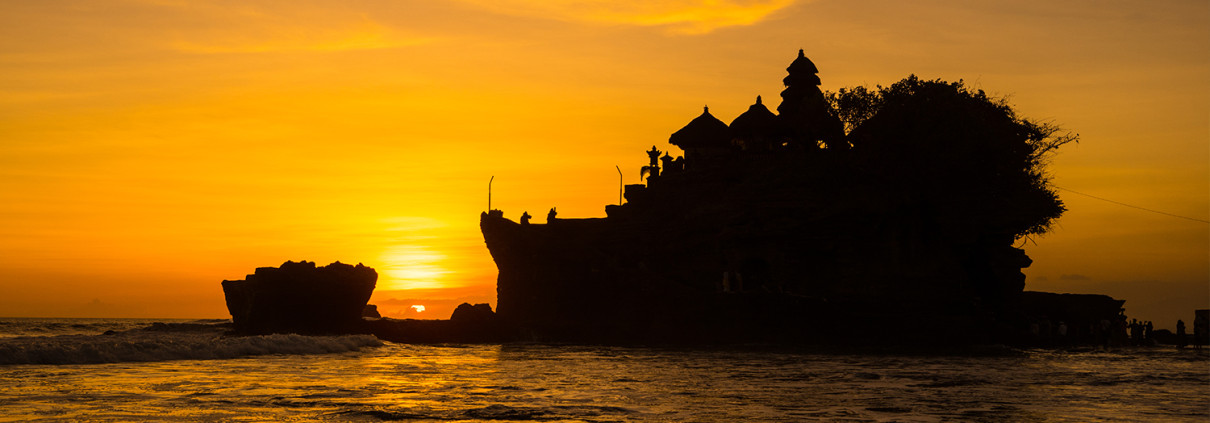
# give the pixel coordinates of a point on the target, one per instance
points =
(854, 105)
(968, 158)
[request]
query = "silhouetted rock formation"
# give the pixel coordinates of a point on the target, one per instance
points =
(478, 314)
(300, 298)
(784, 228)
(305, 299)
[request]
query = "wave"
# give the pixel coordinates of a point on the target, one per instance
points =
(160, 345)
(26, 326)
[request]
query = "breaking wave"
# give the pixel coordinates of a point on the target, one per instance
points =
(161, 345)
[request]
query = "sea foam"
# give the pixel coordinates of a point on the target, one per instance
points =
(159, 345)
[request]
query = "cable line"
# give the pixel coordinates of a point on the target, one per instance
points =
(1132, 206)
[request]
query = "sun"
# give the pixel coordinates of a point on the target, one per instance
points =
(412, 267)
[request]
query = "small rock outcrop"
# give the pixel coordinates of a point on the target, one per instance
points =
(301, 298)
(478, 314)
(469, 324)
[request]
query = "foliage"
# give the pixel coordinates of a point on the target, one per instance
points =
(854, 105)
(957, 151)
(648, 170)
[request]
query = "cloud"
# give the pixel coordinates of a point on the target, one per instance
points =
(1074, 277)
(679, 16)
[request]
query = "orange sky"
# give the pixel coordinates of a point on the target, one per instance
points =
(151, 148)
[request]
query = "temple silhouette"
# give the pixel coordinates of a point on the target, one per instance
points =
(862, 216)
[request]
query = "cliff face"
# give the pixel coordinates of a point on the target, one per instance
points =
(746, 253)
(565, 278)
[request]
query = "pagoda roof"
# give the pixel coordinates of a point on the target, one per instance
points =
(758, 120)
(703, 131)
(802, 64)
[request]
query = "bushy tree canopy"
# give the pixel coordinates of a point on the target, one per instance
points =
(967, 157)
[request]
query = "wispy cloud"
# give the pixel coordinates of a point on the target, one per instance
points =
(679, 16)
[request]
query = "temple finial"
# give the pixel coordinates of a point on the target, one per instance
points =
(801, 54)
(705, 109)
(758, 99)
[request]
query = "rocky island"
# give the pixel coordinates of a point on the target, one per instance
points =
(887, 215)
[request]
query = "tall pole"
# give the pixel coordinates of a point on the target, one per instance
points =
(489, 193)
(621, 187)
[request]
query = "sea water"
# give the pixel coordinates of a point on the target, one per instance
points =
(185, 371)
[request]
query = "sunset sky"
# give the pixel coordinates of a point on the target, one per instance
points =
(150, 149)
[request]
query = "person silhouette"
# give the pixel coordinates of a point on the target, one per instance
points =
(1061, 331)
(1199, 331)
(1180, 334)
(525, 218)
(550, 217)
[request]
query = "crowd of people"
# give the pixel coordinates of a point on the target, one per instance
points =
(1201, 331)
(1119, 332)
(1140, 332)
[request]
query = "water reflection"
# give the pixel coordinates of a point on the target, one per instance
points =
(531, 382)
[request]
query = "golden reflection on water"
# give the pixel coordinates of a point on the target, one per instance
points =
(543, 382)
(403, 378)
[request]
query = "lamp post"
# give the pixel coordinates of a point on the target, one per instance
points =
(621, 188)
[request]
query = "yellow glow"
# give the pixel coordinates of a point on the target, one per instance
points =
(260, 28)
(418, 308)
(364, 37)
(151, 148)
(412, 267)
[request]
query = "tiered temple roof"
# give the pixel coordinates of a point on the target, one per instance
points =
(756, 129)
(704, 131)
(803, 121)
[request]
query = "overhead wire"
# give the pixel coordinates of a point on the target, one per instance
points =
(1132, 206)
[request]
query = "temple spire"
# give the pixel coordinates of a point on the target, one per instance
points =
(804, 109)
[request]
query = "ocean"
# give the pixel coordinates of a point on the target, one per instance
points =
(179, 370)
